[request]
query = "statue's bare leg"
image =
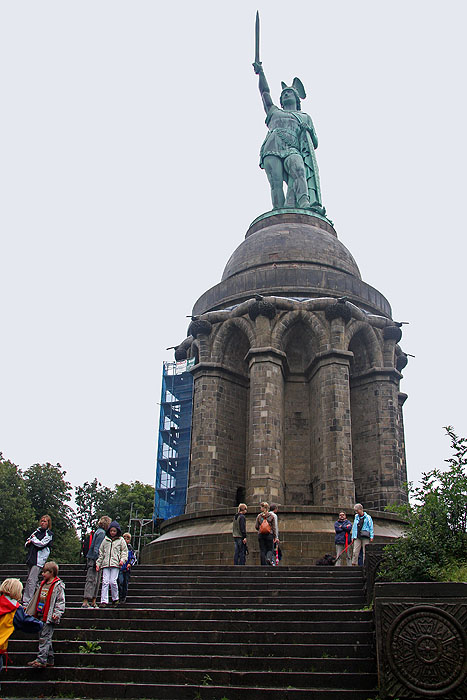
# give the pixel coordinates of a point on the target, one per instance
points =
(296, 171)
(275, 172)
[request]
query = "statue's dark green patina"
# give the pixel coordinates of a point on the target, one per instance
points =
(288, 151)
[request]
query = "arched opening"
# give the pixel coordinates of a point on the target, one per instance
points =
(365, 419)
(299, 346)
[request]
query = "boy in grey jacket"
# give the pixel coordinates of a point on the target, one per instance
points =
(48, 605)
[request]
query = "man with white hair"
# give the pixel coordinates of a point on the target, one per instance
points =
(362, 532)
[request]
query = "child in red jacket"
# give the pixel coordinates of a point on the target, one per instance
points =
(12, 615)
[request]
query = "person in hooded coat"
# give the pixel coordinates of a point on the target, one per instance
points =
(113, 552)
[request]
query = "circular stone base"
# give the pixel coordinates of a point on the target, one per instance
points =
(306, 534)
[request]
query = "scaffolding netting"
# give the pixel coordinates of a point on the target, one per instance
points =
(173, 453)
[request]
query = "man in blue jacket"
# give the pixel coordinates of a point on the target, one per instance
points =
(362, 532)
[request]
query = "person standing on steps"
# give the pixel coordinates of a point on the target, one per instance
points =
(125, 570)
(266, 528)
(93, 577)
(112, 553)
(48, 604)
(239, 535)
(38, 546)
(362, 532)
(273, 508)
(12, 615)
(343, 528)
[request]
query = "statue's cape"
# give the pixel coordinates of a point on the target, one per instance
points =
(307, 151)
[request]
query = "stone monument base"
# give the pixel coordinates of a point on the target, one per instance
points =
(306, 534)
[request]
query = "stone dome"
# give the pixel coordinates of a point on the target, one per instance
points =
(291, 253)
(291, 239)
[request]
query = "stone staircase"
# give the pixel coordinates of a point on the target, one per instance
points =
(208, 633)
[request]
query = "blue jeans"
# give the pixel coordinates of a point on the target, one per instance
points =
(240, 552)
(123, 580)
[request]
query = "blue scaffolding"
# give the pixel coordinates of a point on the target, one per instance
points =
(173, 453)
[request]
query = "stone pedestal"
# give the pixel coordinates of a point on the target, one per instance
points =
(296, 383)
(306, 534)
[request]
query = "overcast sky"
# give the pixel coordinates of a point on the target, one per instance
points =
(130, 134)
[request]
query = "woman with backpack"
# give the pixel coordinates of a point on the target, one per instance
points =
(267, 535)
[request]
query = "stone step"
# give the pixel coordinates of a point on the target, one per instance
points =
(222, 632)
(163, 661)
(122, 612)
(235, 573)
(311, 602)
(111, 691)
(160, 636)
(180, 648)
(211, 584)
(298, 625)
(229, 605)
(147, 676)
(174, 569)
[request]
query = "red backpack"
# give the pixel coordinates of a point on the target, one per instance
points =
(265, 528)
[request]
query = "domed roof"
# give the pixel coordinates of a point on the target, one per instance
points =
(291, 253)
(291, 239)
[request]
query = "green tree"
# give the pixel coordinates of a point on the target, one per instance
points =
(124, 495)
(91, 503)
(434, 547)
(15, 513)
(48, 492)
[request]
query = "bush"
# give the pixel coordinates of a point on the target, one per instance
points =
(434, 547)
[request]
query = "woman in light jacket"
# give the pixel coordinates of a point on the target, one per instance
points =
(112, 553)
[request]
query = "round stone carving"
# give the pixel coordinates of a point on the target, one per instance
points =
(338, 310)
(392, 333)
(427, 651)
(262, 308)
(199, 326)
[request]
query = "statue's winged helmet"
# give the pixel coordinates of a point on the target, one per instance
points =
(297, 88)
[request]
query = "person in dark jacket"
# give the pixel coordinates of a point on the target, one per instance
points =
(93, 577)
(239, 535)
(125, 570)
(38, 546)
(343, 538)
(12, 615)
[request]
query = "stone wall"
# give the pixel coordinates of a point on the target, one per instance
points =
(293, 403)
(306, 534)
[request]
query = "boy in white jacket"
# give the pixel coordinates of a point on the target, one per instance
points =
(113, 552)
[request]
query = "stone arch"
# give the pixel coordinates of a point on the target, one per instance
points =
(362, 340)
(231, 344)
(314, 329)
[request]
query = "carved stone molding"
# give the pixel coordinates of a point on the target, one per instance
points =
(338, 310)
(401, 361)
(199, 326)
(262, 308)
(426, 649)
(421, 641)
(392, 333)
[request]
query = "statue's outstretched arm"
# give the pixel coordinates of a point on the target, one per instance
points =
(263, 86)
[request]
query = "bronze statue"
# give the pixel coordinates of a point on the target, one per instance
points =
(288, 151)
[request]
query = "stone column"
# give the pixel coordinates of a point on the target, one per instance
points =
(265, 467)
(330, 434)
(218, 438)
(379, 456)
